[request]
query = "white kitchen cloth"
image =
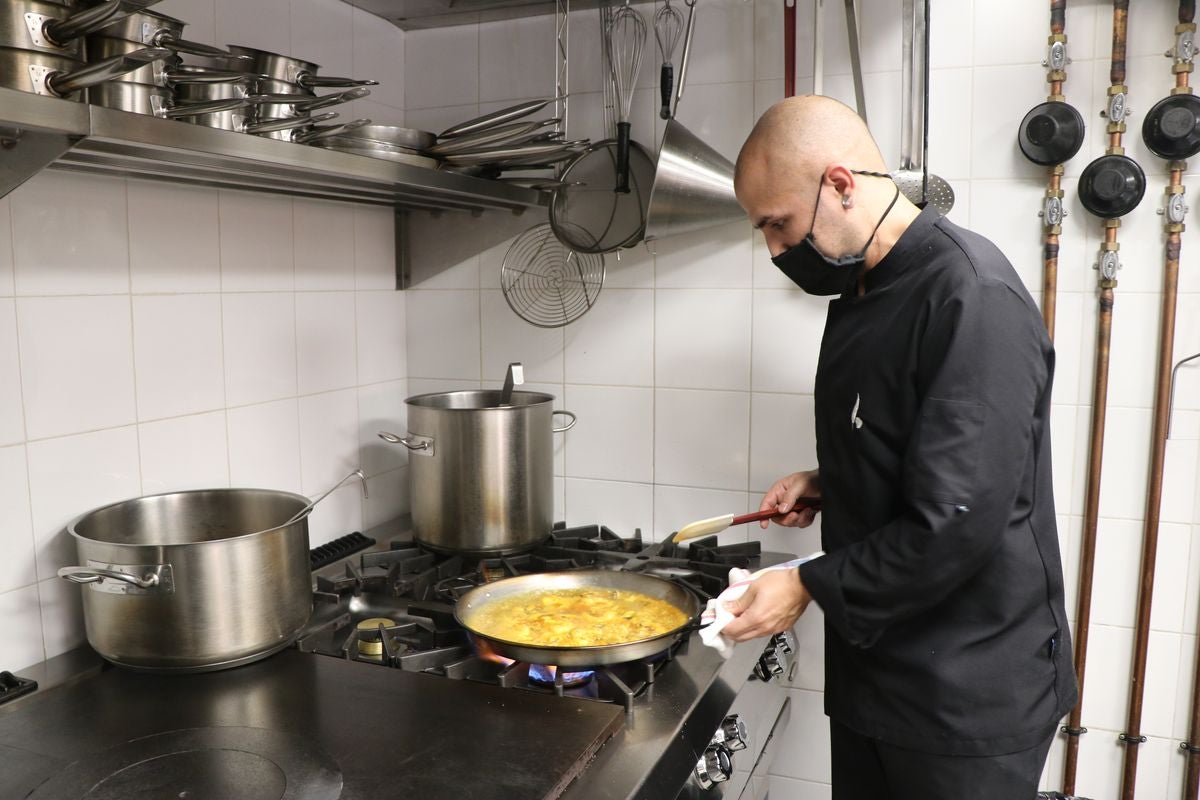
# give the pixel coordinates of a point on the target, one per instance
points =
(717, 616)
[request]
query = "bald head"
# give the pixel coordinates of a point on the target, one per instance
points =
(801, 172)
(799, 137)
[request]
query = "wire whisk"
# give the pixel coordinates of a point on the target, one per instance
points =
(627, 37)
(668, 27)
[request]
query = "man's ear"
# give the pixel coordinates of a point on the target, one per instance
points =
(841, 177)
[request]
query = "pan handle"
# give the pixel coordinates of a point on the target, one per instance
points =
(287, 123)
(165, 39)
(332, 99)
(65, 83)
(212, 107)
(312, 81)
(334, 130)
(569, 425)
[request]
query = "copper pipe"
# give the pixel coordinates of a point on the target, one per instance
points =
(1091, 518)
(1132, 736)
(1052, 228)
(1108, 282)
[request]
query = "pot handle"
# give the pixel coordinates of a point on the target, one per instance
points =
(412, 444)
(62, 31)
(166, 39)
(94, 574)
(569, 425)
(64, 83)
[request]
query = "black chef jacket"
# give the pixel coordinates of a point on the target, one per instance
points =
(942, 582)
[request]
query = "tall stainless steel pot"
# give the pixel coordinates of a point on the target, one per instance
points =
(193, 581)
(481, 472)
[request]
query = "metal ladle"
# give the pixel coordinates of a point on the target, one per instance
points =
(358, 473)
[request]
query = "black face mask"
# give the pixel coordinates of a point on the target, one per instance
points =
(817, 273)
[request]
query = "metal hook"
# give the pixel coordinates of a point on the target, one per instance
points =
(1171, 406)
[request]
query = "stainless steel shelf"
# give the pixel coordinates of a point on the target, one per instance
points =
(39, 132)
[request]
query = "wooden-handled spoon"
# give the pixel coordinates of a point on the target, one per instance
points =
(707, 527)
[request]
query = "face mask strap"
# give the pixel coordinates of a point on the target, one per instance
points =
(850, 260)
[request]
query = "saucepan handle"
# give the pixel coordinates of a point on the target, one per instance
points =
(573, 419)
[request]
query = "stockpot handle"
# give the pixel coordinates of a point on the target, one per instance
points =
(569, 425)
(94, 574)
(411, 444)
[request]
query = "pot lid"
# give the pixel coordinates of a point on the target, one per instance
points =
(1112, 186)
(1051, 133)
(1172, 128)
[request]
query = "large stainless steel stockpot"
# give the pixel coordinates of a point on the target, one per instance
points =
(481, 472)
(193, 581)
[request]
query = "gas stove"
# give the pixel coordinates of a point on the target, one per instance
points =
(383, 695)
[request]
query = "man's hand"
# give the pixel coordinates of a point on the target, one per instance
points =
(783, 496)
(772, 603)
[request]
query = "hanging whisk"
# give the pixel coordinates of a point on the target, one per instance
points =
(668, 26)
(626, 37)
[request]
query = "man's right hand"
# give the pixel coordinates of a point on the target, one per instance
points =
(783, 494)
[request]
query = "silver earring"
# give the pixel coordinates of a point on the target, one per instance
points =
(847, 201)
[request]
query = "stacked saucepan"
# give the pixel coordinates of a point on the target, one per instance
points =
(151, 89)
(42, 46)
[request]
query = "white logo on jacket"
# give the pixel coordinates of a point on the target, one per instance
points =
(855, 420)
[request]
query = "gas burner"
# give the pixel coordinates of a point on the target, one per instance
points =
(549, 676)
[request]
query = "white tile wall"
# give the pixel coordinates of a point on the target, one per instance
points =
(156, 338)
(693, 375)
(264, 340)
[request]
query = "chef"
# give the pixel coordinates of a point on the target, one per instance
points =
(947, 653)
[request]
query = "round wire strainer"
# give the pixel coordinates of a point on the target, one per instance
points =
(545, 282)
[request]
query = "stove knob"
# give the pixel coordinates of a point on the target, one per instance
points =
(733, 733)
(772, 664)
(714, 767)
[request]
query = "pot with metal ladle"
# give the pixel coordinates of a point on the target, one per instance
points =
(195, 581)
(481, 471)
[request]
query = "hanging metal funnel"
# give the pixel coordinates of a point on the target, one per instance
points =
(693, 187)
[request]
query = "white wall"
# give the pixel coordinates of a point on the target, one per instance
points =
(692, 377)
(155, 337)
